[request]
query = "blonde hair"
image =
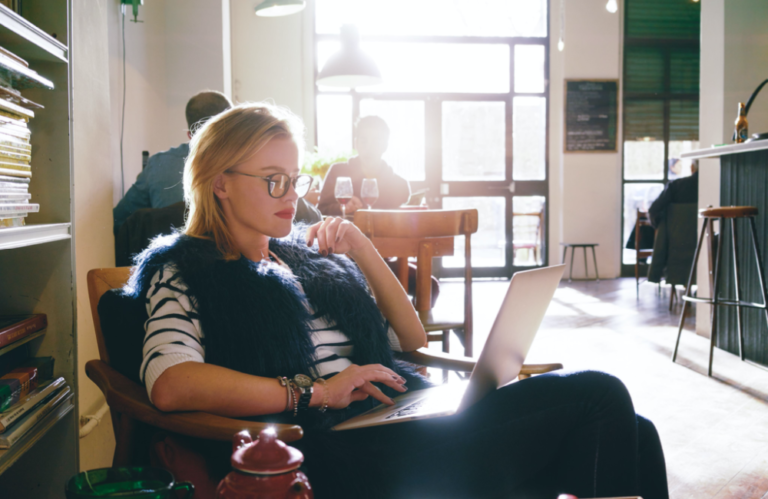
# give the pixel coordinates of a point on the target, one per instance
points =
(226, 140)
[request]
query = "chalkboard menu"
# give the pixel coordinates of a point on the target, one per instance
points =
(591, 110)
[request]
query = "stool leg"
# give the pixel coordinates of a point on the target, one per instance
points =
(739, 318)
(715, 290)
(565, 250)
(570, 275)
(594, 259)
(688, 287)
(760, 271)
(586, 270)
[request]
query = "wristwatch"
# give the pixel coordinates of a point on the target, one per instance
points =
(304, 384)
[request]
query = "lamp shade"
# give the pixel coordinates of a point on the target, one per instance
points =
(276, 8)
(350, 67)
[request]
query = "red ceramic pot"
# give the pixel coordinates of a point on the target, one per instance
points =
(264, 469)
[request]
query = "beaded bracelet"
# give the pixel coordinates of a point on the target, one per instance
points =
(325, 394)
(292, 389)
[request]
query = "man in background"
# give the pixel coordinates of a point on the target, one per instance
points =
(159, 184)
(371, 141)
(682, 190)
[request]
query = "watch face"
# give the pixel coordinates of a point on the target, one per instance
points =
(303, 381)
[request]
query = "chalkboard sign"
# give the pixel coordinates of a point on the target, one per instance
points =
(591, 110)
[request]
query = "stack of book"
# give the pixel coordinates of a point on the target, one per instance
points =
(15, 147)
(29, 392)
(49, 400)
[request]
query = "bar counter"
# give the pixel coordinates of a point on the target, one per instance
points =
(743, 182)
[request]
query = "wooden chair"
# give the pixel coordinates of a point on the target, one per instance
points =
(527, 237)
(425, 234)
(642, 219)
(130, 405)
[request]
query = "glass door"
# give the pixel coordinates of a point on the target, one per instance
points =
(466, 101)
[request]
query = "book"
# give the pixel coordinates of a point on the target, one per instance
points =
(12, 161)
(20, 113)
(16, 327)
(14, 180)
(7, 209)
(51, 409)
(14, 197)
(10, 187)
(20, 76)
(13, 171)
(8, 165)
(8, 52)
(13, 143)
(12, 221)
(16, 97)
(27, 403)
(14, 154)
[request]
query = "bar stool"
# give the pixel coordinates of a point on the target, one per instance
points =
(723, 213)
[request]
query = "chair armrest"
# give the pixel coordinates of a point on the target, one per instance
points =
(440, 360)
(127, 397)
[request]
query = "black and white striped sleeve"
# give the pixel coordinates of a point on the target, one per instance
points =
(173, 333)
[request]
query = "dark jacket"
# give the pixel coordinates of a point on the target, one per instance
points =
(255, 317)
(394, 190)
(675, 244)
(680, 191)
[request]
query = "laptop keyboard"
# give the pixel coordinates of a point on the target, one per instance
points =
(408, 410)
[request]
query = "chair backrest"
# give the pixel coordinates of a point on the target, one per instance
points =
(99, 282)
(424, 234)
(417, 223)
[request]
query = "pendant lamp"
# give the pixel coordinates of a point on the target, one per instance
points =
(276, 8)
(349, 67)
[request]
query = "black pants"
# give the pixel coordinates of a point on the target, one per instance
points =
(556, 433)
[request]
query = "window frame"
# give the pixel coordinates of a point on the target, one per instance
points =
(433, 140)
(666, 97)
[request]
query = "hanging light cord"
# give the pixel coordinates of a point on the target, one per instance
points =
(122, 116)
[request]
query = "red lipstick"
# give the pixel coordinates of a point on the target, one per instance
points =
(286, 214)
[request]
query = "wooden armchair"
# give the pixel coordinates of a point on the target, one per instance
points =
(425, 234)
(130, 405)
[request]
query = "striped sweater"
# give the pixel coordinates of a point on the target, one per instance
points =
(173, 333)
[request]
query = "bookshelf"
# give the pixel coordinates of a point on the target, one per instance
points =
(37, 261)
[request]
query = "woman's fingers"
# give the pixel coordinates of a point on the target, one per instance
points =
(374, 392)
(311, 233)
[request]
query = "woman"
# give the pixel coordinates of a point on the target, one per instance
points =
(239, 300)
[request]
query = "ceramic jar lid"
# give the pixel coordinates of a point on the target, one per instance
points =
(266, 456)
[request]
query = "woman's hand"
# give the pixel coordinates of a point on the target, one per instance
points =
(336, 235)
(356, 383)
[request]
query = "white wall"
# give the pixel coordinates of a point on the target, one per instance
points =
(584, 188)
(734, 60)
(272, 59)
(94, 247)
(174, 53)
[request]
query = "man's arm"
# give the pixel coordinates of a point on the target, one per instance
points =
(394, 191)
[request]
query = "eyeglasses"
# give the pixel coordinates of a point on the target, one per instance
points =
(278, 183)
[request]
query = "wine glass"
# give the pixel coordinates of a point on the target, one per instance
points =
(343, 193)
(370, 191)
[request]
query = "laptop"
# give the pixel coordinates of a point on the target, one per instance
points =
(511, 336)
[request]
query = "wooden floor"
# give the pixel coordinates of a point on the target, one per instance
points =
(714, 430)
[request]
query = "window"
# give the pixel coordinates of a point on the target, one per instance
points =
(464, 93)
(661, 102)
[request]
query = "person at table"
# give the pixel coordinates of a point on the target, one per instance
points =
(682, 190)
(371, 141)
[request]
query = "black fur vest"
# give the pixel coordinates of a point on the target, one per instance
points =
(254, 317)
